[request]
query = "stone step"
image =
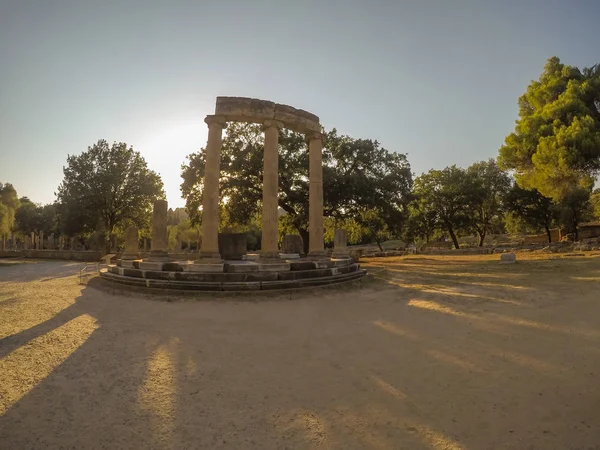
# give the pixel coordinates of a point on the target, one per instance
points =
(172, 284)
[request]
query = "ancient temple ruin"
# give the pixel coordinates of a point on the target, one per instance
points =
(269, 269)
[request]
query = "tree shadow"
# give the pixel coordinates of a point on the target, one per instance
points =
(419, 365)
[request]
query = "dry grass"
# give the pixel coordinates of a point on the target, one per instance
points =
(439, 353)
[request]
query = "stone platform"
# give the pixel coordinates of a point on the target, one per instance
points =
(233, 275)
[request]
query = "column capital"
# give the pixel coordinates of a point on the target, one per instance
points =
(314, 135)
(272, 123)
(215, 120)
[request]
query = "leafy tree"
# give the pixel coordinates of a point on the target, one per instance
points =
(357, 175)
(450, 193)
(575, 208)
(490, 185)
(105, 187)
(422, 220)
(535, 210)
(555, 147)
(368, 183)
(9, 203)
(595, 203)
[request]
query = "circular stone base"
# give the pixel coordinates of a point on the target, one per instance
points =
(233, 275)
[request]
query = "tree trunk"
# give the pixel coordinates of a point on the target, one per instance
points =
(377, 241)
(481, 238)
(453, 236)
(548, 233)
(305, 237)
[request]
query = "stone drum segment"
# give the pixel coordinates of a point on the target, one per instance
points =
(159, 245)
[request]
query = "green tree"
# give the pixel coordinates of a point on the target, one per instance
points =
(490, 185)
(422, 220)
(9, 203)
(535, 210)
(106, 187)
(450, 193)
(574, 209)
(595, 203)
(357, 175)
(555, 147)
(368, 183)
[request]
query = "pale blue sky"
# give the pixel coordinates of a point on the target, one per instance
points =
(438, 80)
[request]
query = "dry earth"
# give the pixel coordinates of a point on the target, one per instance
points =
(445, 353)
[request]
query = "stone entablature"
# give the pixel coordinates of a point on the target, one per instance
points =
(243, 109)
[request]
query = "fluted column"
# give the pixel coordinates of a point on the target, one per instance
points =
(270, 227)
(210, 200)
(315, 196)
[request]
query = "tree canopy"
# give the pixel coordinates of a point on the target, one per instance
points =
(9, 203)
(535, 210)
(490, 185)
(555, 147)
(105, 187)
(359, 176)
(449, 192)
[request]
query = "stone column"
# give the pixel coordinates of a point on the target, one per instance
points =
(209, 253)
(159, 250)
(145, 245)
(72, 244)
(51, 241)
(61, 243)
(131, 243)
(41, 247)
(32, 240)
(14, 241)
(315, 196)
(340, 244)
(270, 228)
(3, 242)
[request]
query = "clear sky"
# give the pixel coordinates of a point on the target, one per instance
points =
(438, 80)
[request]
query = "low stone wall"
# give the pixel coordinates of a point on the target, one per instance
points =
(73, 255)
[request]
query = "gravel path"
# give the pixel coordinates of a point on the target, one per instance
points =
(449, 353)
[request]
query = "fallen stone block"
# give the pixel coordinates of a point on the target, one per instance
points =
(508, 258)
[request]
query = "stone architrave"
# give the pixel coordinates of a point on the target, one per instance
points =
(131, 243)
(209, 253)
(316, 247)
(340, 244)
(41, 246)
(270, 227)
(159, 245)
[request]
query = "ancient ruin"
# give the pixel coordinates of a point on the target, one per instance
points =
(268, 269)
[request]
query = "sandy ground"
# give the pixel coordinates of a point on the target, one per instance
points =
(446, 353)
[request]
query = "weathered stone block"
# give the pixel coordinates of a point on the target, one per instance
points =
(232, 246)
(241, 267)
(508, 258)
(292, 243)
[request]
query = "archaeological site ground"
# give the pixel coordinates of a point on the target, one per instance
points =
(427, 352)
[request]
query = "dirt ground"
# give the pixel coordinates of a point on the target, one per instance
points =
(437, 353)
